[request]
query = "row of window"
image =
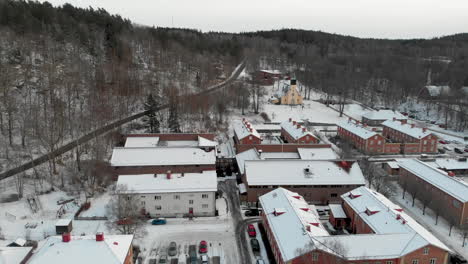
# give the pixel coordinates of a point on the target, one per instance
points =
(298, 186)
(159, 207)
(177, 197)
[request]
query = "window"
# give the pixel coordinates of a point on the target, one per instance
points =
(415, 261)
(433, 261)
(158, 207)
(157, 197)
(190, 201)
(204, 196)
(307, 137)
(389, 262)
(176, 197)
(250, 137)
(204, 206)
(425, 142)
(379, 142)
(456, 204)
(143, 203)
(426, 251)
(333, 195)
(315, 256)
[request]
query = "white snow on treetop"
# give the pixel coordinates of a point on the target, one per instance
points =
(159, 183)
(384, 115)
(356, 129)
(84, 249)
(302, 172)
(162, 156)
(132, 142)
(415, 132)
(292, 221)
(438, 178)
(13, 255)
(291, 127)
(242, 131)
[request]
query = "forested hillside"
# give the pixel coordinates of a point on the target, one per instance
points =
(67, 70)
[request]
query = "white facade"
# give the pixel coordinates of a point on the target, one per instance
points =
(179, 204)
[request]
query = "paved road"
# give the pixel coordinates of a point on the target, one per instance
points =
(230, 189)
(99, 131)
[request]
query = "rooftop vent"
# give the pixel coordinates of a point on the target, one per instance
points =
(66, 237)
(279, 211)
(451, 174)
(354, 194)
(372, 210)
(297, 197)
(100, 236)
(308, 172)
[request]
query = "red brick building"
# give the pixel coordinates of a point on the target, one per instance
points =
(245, 133)
(412, 139)
(319, 181)
(266, 77)
(450, 192)
(85, 249)
(361, 137)
(388, 236)
(293, 132)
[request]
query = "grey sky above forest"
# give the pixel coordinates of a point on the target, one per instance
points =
(361, 18)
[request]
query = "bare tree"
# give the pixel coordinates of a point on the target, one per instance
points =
(425, 197)
(414, 189)
(124, 212)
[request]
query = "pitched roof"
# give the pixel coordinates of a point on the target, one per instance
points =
(162, 156)
(14, 255)
(159, 183)
(439, 178)
(357, 129)
(290, 227)
(385, 221)
(242, 131)
(415, 132)
(317, 153)
(293, 130)
(302, 172)
(84, 249)
(384, 115)
(141, 142)
(449, 164)
(337, 210)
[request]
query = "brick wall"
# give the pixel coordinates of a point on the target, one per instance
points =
(176, 136)
(162, 169)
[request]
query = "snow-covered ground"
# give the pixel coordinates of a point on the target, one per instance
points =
(441, 230)
(263, 253)
(98, 206)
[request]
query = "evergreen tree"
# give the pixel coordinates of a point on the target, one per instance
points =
(152, 119)
(173, 120)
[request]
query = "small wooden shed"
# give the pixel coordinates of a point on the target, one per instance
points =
(63, 226)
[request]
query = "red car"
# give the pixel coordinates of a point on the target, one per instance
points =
(203, 248)
(251, 231)
(404, 113)
(443, 142)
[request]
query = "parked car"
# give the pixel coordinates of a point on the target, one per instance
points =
(457, 150)
(251, 230)
(174, 261)
(152, 261)
(255, 245)
(251, 212)
(442, 125)
(457, 259)
(260, 261)
(172, 250)
(466, 150)
(448, 148)
(443, 142)
(203, 247)
(411, 116)
(433, 122)
(441, 150)
(163, 259)
(204, 259)
(159, 221)
(193, 254)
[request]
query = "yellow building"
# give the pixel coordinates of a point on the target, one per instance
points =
(291, 95)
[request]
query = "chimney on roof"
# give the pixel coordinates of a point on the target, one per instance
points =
(248, 125)
(298, 125)
(374, 129)
(403, 122)
(99, 236)
(66, 237)
(243, 119)
(398, 216)
(308, 228)
(350, 119)
(365, 125)
(294, 122)
(451, 174)
(394, 119)
(413, 125)
(290, 119)
(303, 129)
(168, 175)
(250, 129)
(424, 129)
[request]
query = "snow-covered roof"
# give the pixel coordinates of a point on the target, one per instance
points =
(242, 188)
(294, 131)
(384, 115)
(242, 131)
(178, 143)
(84, 249)
(13, 255)
(435, 91)
(393, 164)
(279, 155)
(439, 178)
(317, 153)
(385, 220)
(20, 241)
(337, 210)
(357, 129)
(250, 154)
(292, 223)
(141, 142)
(449, 164)
(204, 142)
(405, 128)
(63, 222)
(271, 127)
(159, 183)
(271, 71)
(162, 156)
(302, 172)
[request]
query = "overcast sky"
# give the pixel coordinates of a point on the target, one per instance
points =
(361, 18)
